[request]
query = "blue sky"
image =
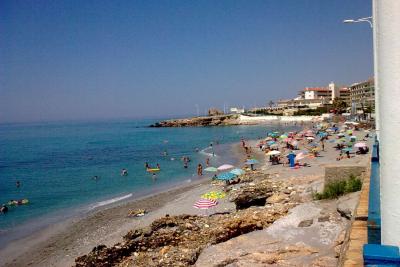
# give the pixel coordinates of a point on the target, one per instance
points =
(63, 60)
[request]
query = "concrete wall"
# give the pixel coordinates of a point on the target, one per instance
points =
(337, 173)
(272, 118)
(387, 43)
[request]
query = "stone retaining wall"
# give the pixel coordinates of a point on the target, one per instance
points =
(337, 173)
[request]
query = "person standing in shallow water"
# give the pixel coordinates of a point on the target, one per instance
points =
(199, 170)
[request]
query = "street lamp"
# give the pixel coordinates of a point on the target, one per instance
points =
(366, 19)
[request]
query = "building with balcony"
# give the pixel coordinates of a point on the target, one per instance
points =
(362, 94)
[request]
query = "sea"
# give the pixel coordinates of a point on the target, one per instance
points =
(66, 168)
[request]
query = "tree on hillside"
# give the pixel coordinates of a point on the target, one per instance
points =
(271, 103)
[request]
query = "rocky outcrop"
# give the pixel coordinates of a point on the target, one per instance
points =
(199, 121)
(178, 240)
(255, 194)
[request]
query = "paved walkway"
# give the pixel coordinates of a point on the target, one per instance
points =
(359, 229)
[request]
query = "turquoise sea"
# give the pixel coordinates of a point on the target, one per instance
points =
(56, 162)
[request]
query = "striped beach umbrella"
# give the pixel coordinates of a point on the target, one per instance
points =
(204, 204)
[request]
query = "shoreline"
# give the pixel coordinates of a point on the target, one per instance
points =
(60, 235)
(62, 243)
(41, 244)
(236, 120)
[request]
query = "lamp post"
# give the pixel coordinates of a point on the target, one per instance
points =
(370, 21)
(366, 19)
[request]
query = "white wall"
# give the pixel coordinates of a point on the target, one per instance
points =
(309, 95)
(272, 118)
(387, 43)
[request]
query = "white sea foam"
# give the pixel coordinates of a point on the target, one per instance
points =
(109, 201)
(205, 152)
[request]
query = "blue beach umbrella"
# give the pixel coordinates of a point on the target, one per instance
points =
(237, 171)
(226, 176)
(251, 161)
(271, 143)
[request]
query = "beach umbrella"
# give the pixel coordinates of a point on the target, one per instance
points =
(347, 149)
(205, 203)
(283, 136)
(271, 143)
(226, 176)
(323, 134)
(273, 152)
(360, 144)
(269, 138)
(225, 167)
(310, 138)
(300, 156)
(274, 146)
(211, 169)
(213, 195)
(251, 161)
(237, 171)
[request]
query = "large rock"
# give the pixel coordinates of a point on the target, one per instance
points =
(252, 195)
(346, 205)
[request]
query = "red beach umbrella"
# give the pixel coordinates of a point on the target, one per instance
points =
(205, 203)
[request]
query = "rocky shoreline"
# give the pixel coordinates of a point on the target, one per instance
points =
(179, 240)
(234, 119)
(218, 120)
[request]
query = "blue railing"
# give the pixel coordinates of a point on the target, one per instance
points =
(374, 207)
(374, 253)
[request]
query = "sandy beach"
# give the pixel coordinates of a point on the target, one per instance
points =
(60, 244)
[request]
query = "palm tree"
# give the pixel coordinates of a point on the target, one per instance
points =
(339, 105)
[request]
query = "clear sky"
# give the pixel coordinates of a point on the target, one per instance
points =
(62, 60)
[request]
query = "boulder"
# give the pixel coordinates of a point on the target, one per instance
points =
(252, 195)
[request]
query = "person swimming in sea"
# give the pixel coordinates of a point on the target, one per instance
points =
(124, 172)
(4, 209)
